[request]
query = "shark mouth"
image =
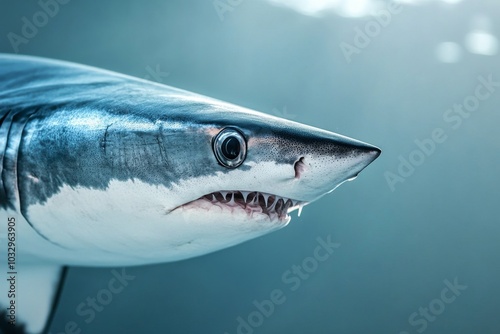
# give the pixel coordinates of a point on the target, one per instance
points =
(252, 202)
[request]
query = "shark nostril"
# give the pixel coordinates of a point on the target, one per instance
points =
(299, 167)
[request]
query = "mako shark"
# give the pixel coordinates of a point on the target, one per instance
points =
(103, 169)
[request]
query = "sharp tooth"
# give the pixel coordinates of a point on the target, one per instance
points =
(266, 197)
(256, 198)
(279, 206)
(231, 202)
(245, 195)
(300, 210)
(224, 194)
(271, 208)
(213, 198)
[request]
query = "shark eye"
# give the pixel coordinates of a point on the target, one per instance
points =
(230, 148)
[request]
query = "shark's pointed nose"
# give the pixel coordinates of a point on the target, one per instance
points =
(368, 153)
(365, 156)
(352, 156)
(335, 160)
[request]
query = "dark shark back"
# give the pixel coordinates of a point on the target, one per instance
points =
(33, 90)
(31, 86)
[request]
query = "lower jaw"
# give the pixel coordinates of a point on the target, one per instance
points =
(235, 213)
(254, 204)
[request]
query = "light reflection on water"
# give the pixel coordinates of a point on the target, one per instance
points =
(348, 8)
(479, 40)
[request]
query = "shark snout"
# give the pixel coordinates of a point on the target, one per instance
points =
(325, 163)
(362, 156)
(349, 156)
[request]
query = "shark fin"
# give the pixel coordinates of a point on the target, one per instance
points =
(37, 291)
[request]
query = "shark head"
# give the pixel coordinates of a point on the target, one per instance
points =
(252, 170)
(190, 182)
(114, 170)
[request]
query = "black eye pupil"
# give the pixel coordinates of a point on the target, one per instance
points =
(231, 148)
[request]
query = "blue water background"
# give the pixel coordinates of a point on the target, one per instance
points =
(399, 245)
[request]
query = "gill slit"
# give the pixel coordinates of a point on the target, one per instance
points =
(15, 137)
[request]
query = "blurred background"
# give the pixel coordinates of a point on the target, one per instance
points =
(418, 230)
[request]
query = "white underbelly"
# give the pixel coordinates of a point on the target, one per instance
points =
(79, 226)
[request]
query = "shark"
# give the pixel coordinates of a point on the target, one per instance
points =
(99, 168)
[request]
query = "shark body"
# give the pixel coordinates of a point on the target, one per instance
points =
(103, 169)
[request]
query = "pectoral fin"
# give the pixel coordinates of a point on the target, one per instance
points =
(35, 291)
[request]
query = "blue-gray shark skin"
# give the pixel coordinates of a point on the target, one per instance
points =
(104, 169)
